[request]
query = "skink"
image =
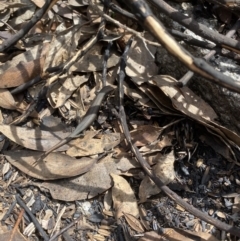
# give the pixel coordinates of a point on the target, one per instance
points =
(87, 119)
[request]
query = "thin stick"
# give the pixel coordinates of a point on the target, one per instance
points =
(33, 218)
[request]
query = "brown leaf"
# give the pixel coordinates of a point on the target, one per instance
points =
(124, 200)
(21, 73)
(6, 100)
(34, 139)
(143, 215)
(164, 169)
(134, 223)
(93, 59)
(96, 181)
(179, 235)
(141, 61)
(184, 99)
(16, 237)
(147, 188)
(145, 134)
(165, 141)
(39, 3)
(90, 146)
(62, 47)
(64, 88)
(152, 236)
(157, 96)
(54, 166)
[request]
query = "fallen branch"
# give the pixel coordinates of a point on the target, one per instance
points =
(197, 65)
(196, 27)
(185, 79)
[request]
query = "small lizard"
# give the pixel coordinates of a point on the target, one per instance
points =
(87, 119)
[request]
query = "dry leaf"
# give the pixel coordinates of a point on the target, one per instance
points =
(21, 73)
(92, 183)
(134, 223)
(159, 98)
(184, 99)
(6, 100)
(216, 143)
(9, 236)
(147, 188)
(34, 139)
(177, 235)
(54, 166)
(141, 61)
(78, 3)
(145, 134)
(23, 67)
(153, 236)
(62, 47)
(164, 170)
(143, 215)
(108, 200)
(124, 200)
(22, 14)
(93, 59)
(221, 215)
(186, 235)
(39, 3)
(63, 89)
(165, 141)
(89, 146)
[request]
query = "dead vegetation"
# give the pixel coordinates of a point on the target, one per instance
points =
(95, 143)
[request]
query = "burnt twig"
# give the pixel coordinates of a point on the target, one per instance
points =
(185, 79)
(198, 65)
(33, 218)
(196, 27)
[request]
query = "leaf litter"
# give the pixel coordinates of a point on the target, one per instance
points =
(174, 129)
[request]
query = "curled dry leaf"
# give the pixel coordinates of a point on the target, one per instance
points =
(34, 139)
(54, 166)
(124, 200)
(90, 184)
(134, 223)
(143, 217)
